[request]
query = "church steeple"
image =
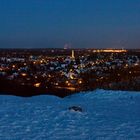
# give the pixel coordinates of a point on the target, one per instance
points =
(72, 54)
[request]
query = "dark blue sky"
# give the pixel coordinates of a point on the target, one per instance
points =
(82, 23)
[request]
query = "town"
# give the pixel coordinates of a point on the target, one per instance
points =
(60, 72)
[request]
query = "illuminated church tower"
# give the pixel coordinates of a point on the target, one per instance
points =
(72, 55)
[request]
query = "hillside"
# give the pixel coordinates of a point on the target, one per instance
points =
(105, 115)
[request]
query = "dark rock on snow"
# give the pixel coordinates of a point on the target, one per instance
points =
(76, 108)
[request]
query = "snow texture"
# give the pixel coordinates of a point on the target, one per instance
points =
(107, 115)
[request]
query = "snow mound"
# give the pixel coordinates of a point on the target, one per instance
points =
(105, 115)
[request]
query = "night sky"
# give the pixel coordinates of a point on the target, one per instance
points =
(79, 23)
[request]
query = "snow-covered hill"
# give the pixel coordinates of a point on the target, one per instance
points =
(107, 115)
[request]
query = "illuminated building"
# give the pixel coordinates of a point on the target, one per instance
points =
(73, 55)
(111, 50)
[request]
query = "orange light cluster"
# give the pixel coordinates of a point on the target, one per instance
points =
(23, 74)
(37, 85)
(111, 50)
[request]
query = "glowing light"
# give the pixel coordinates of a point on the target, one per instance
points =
(56, 84)
(67, 82)
(111, 50)
(71, 77)
(35, 77)
(37, 85)
(13, 66)
(136, 64)
(49, 75)
(24, 74)
(80, 82)
(126, 65)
